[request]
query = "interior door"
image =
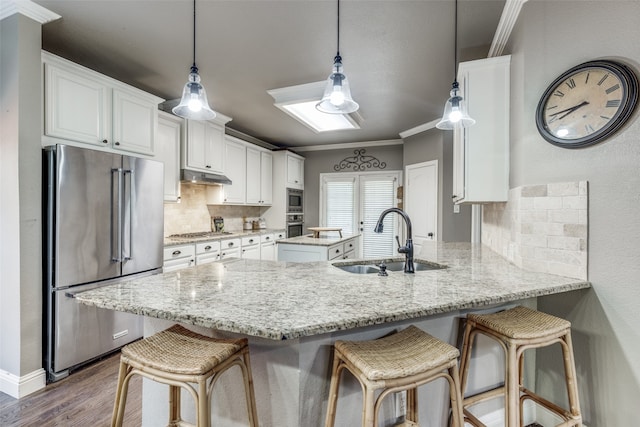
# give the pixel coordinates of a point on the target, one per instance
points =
(421, 201)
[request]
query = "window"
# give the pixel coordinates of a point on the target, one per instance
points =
(354, 203)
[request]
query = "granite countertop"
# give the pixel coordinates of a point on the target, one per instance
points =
(285, 300)
(317, 241)
(173, 241)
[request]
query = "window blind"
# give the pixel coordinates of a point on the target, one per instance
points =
(378, 194)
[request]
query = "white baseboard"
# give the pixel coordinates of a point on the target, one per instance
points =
(18, 387)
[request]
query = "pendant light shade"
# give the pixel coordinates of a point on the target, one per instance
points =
(337, 94)
(194, 104)
(455, 109)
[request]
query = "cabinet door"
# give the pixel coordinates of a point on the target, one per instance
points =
(235, 153)
(77, 107)
(251, 252)
(266, 177)
(295, 172)
(268, 251)
(196, 144)
(214, 148)
(135, 120)
(254, 183)
(168, 152)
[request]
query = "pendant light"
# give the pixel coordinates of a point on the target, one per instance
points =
(337, 95)
(194, 104)
(455, 109)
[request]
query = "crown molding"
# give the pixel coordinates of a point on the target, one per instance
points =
(27, 8)
(419, 129)
(508, 19)
(348, 145)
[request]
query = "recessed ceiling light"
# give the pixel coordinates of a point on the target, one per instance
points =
(300, 103)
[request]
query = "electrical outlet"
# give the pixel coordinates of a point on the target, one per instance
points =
(456, 208)
(401, 404)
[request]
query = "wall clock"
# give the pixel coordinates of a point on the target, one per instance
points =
(587, 103)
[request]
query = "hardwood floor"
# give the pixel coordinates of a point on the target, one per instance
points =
(83, 399)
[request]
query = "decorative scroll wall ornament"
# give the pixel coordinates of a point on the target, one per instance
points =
(359, 162)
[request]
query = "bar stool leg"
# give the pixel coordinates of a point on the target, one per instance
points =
(122, 373)
(512, 401)
(368, 403)
(174, 405)
(333, 391)
(455, 396)
(412, 405)
(245, 366)
(571, 375)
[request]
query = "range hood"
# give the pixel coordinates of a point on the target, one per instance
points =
(203, 178)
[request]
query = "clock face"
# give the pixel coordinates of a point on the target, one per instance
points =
(587, 104)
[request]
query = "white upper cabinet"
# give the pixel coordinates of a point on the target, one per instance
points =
(481, 152)
(235, 153)
(295, 171)
(168, 151)
(84, 106)
(259, 176)
(204, 145)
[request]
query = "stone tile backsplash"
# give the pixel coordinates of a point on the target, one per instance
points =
(542, 228)
(193, 214)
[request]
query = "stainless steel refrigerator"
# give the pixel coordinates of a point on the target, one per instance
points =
(103, 223)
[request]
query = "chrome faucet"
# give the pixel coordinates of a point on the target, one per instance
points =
(407, 249)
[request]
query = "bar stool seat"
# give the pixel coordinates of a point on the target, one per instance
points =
(402, 361)
(179, 357)
(519, 329)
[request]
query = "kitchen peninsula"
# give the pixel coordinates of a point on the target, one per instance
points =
(293, 312)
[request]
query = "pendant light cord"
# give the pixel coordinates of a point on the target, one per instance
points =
(338, 25)
(455, 43)
(194, 35)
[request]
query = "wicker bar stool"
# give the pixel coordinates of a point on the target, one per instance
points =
(177, 357)
(398, 362)
(519, 329)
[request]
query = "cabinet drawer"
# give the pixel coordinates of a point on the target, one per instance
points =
(336, 251)
(230, 244)
(177, 252)
(207, 247)
(266, 238)
(250, 240)
(350, 246)
(280, 235)
(207, 257)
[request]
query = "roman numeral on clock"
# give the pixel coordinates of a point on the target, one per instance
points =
(613, 103)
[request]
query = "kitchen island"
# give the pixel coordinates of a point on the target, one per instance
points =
(322, 248)
(293, 312)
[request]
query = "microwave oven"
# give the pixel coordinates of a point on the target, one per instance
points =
(294, 200)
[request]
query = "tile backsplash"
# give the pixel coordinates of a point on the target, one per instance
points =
(193, 214)
(541, 228)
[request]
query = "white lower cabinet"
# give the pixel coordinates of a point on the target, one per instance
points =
(230, 248)
(251, 247)
(268, 247)
(177, 257)
(309, 253)
(207, 252)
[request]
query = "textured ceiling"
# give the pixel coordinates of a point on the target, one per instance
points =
(398, 54)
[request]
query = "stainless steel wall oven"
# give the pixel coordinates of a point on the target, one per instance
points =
(295, 201)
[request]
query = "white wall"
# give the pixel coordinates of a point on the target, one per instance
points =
(20, 199)
(549, 38)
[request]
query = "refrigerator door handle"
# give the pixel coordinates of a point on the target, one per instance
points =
(116, 205)
(129, 200)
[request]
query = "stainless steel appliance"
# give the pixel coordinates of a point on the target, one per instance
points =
(103, 221)
(294, 201)
(295, 225)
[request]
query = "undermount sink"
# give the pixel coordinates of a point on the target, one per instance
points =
(371, 266)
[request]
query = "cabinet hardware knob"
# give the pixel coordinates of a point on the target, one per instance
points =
(453, 197)
(206, 248)
(266, 238)
(230, 244)
(117, 143)
(176, 252)
(104, 141)
(208, 166)
(250, 240)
